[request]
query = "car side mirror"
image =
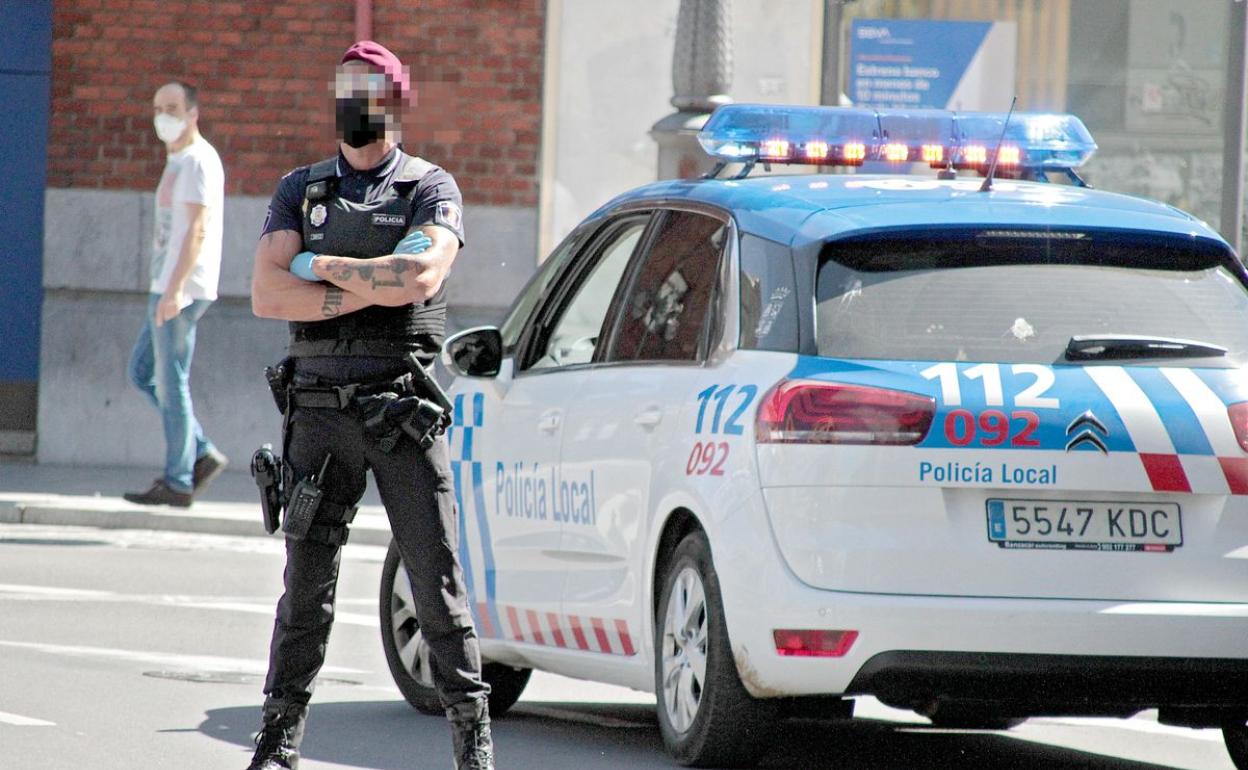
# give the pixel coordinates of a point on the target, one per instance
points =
(475, 352)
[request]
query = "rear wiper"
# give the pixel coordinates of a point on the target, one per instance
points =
(1093, 347)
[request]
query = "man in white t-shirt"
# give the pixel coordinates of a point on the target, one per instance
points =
(186, 263)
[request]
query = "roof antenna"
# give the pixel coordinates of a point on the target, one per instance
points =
(992, 165)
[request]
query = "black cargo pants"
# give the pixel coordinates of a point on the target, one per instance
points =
(417, 492)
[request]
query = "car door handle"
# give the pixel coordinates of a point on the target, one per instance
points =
(549, 421)
(648, 417)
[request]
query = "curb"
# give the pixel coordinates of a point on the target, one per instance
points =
(232, 519)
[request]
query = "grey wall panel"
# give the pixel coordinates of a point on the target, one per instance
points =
(95, 239)
(101, 240)
(89, 413)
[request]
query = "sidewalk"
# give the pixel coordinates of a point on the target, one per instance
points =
(91, 497)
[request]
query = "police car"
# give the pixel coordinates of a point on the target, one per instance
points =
(971, 442)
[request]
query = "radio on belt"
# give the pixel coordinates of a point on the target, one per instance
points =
(305, 499)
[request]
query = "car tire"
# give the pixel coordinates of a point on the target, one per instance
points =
(1236, 738)
(407, 655)
(714, 721)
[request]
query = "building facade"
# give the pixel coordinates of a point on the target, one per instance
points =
(542, 109)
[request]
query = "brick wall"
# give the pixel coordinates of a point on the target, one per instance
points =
(264, 70)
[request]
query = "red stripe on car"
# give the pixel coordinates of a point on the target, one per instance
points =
(483, 618)
(600, 631)
(515, 624)
(1236, 471)
(622, 628)
(1165, 472)
(536, 626)
(581, 641)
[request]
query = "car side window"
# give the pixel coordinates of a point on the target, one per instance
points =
(536, 289)
(574, 333)
(667, 311)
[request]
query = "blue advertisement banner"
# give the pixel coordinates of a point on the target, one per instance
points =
(896, 63)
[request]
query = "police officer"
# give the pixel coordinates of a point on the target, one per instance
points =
(355, 254)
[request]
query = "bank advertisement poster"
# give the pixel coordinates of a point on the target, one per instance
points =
(958, 65)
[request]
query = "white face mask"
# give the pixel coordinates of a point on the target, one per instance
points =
(169, 128)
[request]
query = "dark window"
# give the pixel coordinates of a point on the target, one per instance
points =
(1020, 301)
(768, 296)
(667, 311)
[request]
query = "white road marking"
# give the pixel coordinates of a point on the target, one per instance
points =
(207, 603)
(197, 662)
(17, 720)
(13, 592)
(1137, 724)
(1146, 722)
(165, 540)
(45, 592)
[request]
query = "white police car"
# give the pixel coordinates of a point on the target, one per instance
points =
(758, 444)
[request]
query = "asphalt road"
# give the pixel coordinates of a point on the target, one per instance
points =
(133, 649)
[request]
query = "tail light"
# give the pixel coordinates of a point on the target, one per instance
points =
(807, 412)
(800, 643)
(1239, 421)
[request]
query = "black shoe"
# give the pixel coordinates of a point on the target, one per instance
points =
(474, 748)
(160, 493)
(277, 743)
(274, 751)
(206, 469)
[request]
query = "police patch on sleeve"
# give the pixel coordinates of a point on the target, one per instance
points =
(449, 215)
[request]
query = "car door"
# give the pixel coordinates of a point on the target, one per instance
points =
(618, 433)
(510, 432)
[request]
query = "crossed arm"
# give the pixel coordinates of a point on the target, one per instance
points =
(352, 284)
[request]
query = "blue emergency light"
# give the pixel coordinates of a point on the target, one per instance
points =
(849, 136)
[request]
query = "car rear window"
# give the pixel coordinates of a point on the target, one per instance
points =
(1020, 300)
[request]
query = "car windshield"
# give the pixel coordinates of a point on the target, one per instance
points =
(1022, 300)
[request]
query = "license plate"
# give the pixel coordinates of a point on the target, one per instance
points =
(1083, 525)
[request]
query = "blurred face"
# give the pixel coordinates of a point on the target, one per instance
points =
(366, 106)
(171, 116)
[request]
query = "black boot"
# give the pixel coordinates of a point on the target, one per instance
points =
(470, 732)
(277, 744)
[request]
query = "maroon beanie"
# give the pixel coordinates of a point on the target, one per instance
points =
(379, 56)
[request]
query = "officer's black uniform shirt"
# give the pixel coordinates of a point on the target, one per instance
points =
(436, 200)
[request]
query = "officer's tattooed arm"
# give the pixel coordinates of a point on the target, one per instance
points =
(396, 279)
(275, 293)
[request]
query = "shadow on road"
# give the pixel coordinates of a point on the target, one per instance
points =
(388, 735)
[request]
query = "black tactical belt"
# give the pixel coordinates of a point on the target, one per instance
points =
(343, 396)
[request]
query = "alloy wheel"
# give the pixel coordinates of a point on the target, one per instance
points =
(684, 649)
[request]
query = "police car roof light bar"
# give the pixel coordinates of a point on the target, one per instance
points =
(1028, 143)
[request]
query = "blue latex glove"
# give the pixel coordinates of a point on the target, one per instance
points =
(413, 243)
(301, 266)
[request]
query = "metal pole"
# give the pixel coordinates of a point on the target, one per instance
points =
(701, 79)
(830, 82)
(1236, 102)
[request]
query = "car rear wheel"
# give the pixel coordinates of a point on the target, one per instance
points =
(1236, 738)
(407, 653)
(706, 716)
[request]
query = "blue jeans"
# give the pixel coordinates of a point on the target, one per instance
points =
(160, 366)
